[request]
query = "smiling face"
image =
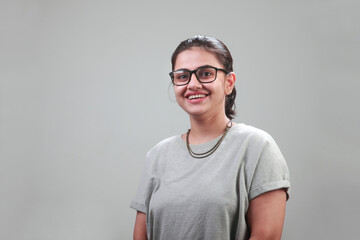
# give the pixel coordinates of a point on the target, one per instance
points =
(202, 99)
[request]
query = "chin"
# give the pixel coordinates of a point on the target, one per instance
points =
(195, 113)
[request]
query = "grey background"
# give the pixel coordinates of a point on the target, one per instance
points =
(84, 94)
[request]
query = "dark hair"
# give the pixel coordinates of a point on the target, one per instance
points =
(222, 54)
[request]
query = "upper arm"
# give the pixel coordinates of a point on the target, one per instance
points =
(140, 226)
(266, 215)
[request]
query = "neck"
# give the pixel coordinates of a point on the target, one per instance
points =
(204, 130)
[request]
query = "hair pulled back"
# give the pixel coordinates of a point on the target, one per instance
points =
(221, 52)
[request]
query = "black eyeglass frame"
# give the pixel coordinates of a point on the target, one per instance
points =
(194, 72)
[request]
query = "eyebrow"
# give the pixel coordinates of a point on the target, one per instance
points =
(186, 69)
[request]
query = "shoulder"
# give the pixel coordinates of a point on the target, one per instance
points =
(164, 145)
(158, 155)
(251, 134)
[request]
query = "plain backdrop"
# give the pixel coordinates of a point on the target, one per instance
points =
(85, 93)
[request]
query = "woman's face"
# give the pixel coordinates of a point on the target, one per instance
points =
(202, 99)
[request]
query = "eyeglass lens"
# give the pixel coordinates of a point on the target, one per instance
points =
(202, 74)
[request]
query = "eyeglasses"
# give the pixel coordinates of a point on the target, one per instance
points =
(204, 74)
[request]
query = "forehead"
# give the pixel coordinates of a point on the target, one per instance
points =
(195, 57)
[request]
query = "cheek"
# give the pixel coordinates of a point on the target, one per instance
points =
(219, 88)
(179, 91)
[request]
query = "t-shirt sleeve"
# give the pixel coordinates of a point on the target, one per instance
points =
(147, 185)
(270, 171)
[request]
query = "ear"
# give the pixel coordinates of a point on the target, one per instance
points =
(229, 82)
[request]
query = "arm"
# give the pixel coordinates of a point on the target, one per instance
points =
(266, 215)
(140, 226)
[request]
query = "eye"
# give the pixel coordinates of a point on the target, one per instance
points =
(206, 73)
(181, 76)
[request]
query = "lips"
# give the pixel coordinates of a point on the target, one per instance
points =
(196, 96)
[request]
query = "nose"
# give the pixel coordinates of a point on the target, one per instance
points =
(194, 82)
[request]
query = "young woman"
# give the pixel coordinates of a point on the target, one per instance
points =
(220, 180)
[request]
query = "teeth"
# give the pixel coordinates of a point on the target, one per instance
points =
(196, 96)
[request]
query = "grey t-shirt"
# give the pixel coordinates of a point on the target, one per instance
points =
(188, 198)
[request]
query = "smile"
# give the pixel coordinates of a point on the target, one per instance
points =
(196, 96)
